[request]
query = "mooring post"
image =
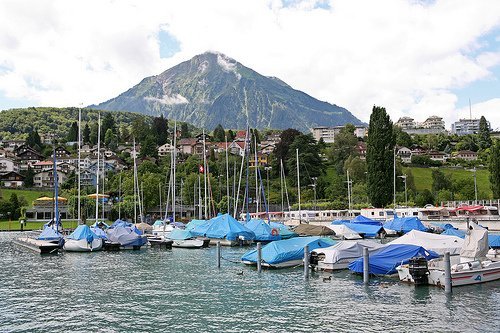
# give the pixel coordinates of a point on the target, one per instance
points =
(366, 266)
(306, 262)
(447, 273)
(259, 257)
(218, 254)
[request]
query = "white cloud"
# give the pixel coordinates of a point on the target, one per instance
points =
(169, 100)
(490, 109)
(404, 55)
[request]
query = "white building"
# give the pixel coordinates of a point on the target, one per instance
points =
(165, 150)
(328, 133)
(7, 165)
(466, 126)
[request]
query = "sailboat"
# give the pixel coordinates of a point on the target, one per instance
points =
(51, 239)
(82, 239)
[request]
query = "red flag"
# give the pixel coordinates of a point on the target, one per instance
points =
(201, 169)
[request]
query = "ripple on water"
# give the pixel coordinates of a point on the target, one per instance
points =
(181, 290)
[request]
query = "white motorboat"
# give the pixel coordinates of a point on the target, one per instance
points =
(82, 245)
(493, 254)
(471, 267)
(339, 256)
(185, 239)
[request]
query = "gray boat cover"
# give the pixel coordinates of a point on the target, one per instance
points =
(347, 250)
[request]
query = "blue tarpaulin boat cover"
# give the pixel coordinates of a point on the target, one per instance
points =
(285, 232)
(339, 222)
(100, 223)
(158, 223)
(226, 226)
(179, 234)
(194, 223)
(120, 223)
(99, 232)
(83, 232)
(493, 239)
(365, 220)
(405, 224)
(50, 234)
(200, 228)
(443, 226)
(385, 260)
(454, 232)
(286, 250)
(127, 236)
(367, 230)
(263, 231)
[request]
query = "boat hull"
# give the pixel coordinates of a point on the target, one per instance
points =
(487, 272)
(73, 245)
(188, 243)
(40, 246)
(339, 265)
(226, 242)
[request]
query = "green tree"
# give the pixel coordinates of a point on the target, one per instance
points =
(281, 150)
(160, 130)
(185, 132)
(484, 137)
(108, 122)
(310, 162)
(148, 147)
(141, 129)
(379, 157)
(343, 146)
(440, 181)
(110, 139)
(403, 139)
(73, 132)
(34, 141)
(357, 169)
(15, 207)
(494, 168)
(219, 134)
(424, 198)
(86, 133)
(29, 177)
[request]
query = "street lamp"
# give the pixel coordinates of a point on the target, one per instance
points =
(313, 185)
(406, 195)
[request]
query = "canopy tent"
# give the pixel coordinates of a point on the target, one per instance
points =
(470, 209)
(226, 226)
(179, 234)
(366, 230)
(365, 220)
(385, 260)
(346, 250)
(313, 230)
(50, 234)
(405, 224)
(285, 232)
(83, 232)
(263, 231)
(194, 223)
(342, 231)
(288, 249)
(434, 242)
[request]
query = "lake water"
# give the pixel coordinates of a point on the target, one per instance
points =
(181, 290)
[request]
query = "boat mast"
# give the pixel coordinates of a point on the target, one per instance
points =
(173, 170)
(298, 184)
(199, 197)
(97, 167)
(241, 173)
(205, 174)
(281, 187)
(103, 184)
(135, 187)
(159, 192)
(119, 196)
(79, 162)
(257, 196)
(56, 193)
(349, 193)
(227, 177)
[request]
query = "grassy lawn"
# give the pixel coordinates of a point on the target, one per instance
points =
(423, 178)
(28, 195)
(15, 225)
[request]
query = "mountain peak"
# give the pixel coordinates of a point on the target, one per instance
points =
(212, 88)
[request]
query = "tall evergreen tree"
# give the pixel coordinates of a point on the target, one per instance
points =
(185, 132)
(108, 122)
(484, 134)
(34, 140)
(29, 177)
(86, 134)
(73, 132)
(219, 134)
(160, 130)
(379, 158)
(494, 168)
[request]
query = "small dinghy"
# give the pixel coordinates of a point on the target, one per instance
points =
(83, 239)
(185, 239)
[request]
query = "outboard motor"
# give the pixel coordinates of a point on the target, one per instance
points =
(419, 271)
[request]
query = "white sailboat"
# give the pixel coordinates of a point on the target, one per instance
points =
(82, 239)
